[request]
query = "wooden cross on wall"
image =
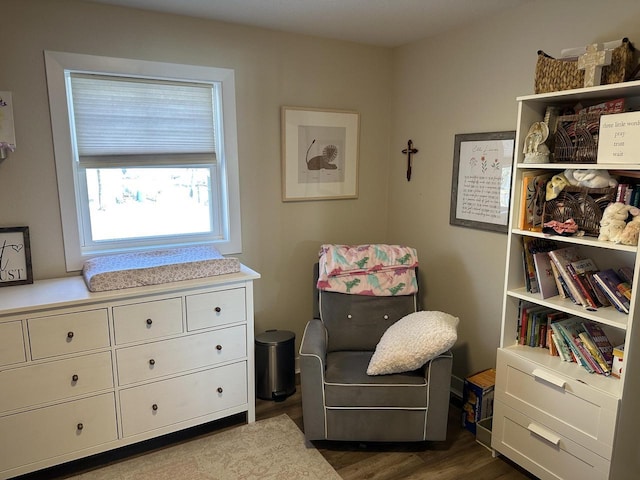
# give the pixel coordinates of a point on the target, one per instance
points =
(592, 63)
(408, 152)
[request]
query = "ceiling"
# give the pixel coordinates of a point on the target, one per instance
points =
(387, 23)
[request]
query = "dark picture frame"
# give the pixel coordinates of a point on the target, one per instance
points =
(15, 256)
(481, 180)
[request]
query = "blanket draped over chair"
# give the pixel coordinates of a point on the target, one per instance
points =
(375, 270)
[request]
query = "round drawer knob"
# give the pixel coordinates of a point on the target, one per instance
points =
(154, 407)
(152, 362)
(220, 390)
(386, 317)
(149, 321)
(218, 347)
(80, 426)
(74, 378)
(69, 334)
(218, 309)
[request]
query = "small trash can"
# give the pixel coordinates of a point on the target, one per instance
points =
(275, 365)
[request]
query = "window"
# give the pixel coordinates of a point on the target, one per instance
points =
(146, 155)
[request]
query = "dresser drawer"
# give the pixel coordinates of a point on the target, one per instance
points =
(27, 386)
(48, 432)
(573, 409)
(216, 308)
(153, 360)
(541, 450)
(11, 343)
(68, 333)
(164, 403)
(148, 320)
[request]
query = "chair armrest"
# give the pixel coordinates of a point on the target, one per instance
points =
(314, 340)
(313, 353)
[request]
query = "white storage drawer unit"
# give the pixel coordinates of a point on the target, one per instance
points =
(538, 448)
(82, 372)
(562, 404)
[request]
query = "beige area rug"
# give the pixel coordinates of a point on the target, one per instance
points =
(273, 448)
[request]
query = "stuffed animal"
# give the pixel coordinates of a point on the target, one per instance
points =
(614, 220)
(590, 178)
(631, 232)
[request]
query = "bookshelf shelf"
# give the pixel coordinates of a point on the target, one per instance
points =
(592, 412)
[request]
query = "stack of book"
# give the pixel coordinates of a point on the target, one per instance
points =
(572, 339)
(565, 271)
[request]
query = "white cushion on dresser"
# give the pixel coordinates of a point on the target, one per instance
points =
(114, 272)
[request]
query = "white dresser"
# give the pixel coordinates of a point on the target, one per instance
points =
(82, 372)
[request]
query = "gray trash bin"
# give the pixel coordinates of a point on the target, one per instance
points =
(275, 365)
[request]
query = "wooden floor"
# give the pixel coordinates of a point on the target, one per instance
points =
(459, 457)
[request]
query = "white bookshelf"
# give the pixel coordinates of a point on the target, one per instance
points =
(552, 417)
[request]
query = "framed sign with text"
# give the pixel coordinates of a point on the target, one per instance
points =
(481, 183)
(15, 256)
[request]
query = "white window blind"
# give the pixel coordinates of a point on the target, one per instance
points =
(122, 116)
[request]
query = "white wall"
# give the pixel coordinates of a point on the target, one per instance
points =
(466, 82)
(462, 82)
(280, 240)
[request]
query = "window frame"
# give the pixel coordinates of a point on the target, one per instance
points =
(58, 64)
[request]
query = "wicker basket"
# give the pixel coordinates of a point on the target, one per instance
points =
(576, 138)
(584, 205)
(554, 74)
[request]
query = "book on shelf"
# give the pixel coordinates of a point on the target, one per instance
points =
(552, 317)
(562, 288)
(570, 330)
(538, 277)
(578, 270)
(532, 200)
(603, 300)
(562, 257)
(591, 347)
(600, 339)
(544, 275)
(564, 350)
(608, 280)
(529, 321)
(626, 274)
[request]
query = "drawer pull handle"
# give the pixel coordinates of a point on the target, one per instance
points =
(220, 390)
(74, 378)
(154, 407)
(547, 377)
(218, 309)
(69, 335)
(152, 362)
(218, 347)
(80, 426)
(149, 321)
(544, 434)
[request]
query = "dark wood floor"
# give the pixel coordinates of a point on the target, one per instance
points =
(459, 457)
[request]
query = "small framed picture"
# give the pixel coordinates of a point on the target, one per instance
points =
(319, 154)
(15, 256)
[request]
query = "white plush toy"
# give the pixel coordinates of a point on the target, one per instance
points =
(614, 221)
(590, 178)
(631, 232)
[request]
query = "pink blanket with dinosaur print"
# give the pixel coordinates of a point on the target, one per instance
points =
(376, 269)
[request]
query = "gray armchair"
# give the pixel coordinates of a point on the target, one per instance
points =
(340, 401)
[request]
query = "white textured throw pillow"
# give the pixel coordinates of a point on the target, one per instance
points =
(412, 341)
